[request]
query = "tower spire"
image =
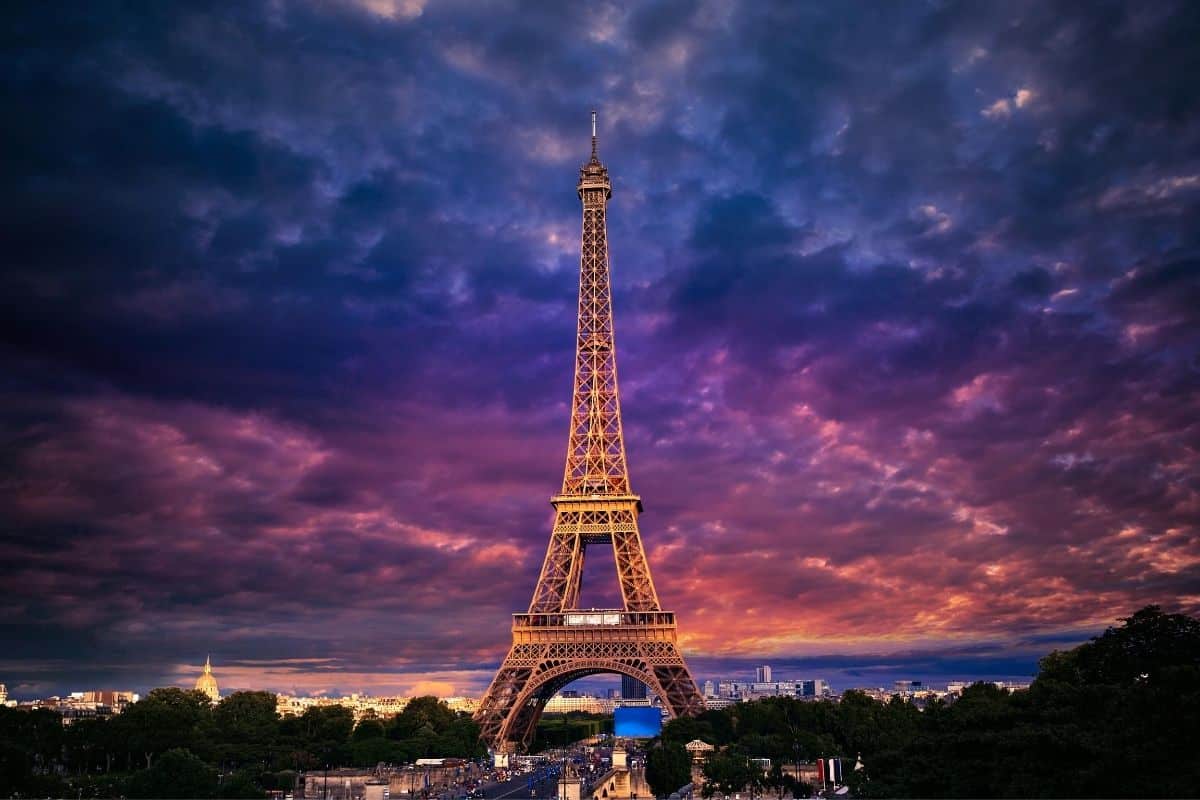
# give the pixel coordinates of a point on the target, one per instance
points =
(595, 156)
(596, 448)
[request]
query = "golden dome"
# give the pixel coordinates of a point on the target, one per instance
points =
(207, 683)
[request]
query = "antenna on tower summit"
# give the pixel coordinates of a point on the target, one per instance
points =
(593, 134)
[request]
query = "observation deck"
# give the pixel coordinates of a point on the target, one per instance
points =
(594, 625)
(596, 501)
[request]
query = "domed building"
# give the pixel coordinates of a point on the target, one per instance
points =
(207, 683)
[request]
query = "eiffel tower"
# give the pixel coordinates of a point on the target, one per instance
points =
(556, 642)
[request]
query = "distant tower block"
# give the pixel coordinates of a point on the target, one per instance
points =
(632, 688)
(762, 674)
(207, 683)
(556, 642)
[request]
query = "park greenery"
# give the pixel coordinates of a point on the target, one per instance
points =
(174, 743)
(560, 730)
(668, 767)
(1118, 716)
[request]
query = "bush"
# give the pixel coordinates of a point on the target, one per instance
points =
(175, 773)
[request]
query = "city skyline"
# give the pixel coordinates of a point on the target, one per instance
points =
(908, 353)
(609, 686)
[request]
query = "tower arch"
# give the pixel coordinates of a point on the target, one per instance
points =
(531, 701)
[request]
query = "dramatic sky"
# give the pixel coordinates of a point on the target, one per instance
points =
(907, 303)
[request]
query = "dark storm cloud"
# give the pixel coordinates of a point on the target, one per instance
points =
(906, 301)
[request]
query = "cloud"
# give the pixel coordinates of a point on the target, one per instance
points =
(907, 354)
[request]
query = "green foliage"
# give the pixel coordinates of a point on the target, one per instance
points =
(368, 729)
(166, 719)
(324, 732)
(1115, 717)
(1148, 648)
(176, 773)
(241, 738)
(242, 784)
(559, 730)
(727, 772)
(29, 745)
(428, 728)
(668, 766)
(685, 729)
(369, 752)
(783, 784)
(243, 729)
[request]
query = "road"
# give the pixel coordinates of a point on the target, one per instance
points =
(543, 783)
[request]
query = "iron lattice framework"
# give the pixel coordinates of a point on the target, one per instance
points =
(556, 643)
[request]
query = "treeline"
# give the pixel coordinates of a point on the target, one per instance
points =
(560, 730)
(1118, 716)
(174, 743)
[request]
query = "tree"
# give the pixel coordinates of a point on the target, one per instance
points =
(243, 729)
(325, 731)
(165, 719)
(369, 752)
(424, 711)
(368, 729)
(428, 727)
(242, 784)
(1145, 649)
(668, 767)
(176, 773)
(726, 772)
(686, 729)
(781, 783)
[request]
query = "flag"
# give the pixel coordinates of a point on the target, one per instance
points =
(821, 770)
(832, 769)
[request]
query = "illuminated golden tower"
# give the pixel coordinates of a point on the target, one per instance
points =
(556, 643)
(207, 683)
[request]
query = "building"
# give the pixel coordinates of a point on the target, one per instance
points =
(96, 704)
(699, 749)
(468, 705)
(3, 694)
(207, 683)
(956, 687)
(563, 704)
(717, 703)
(108, 697)
(361, 706)
(709, 689)
(740, 690)
(762, 674)
(632, 688)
